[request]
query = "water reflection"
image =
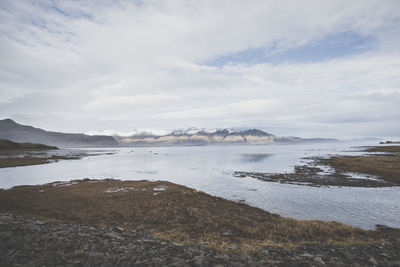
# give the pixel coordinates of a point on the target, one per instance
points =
(255, 157)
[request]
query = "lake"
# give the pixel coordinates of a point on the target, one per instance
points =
(210, 168)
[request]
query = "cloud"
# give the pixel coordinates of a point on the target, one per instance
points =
(123, 65)
(125, 102)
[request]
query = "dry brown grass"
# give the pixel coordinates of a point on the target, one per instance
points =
(390, 149)
(386, 167)
(180, 213)
(26, 160)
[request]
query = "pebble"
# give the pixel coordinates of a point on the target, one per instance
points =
(319, 261)
(373, 261)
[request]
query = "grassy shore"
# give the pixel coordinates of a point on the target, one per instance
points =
(385, 166)
(10, 145)
(173, 212)
(14, 154)
(383, 162)
(26, 157)
(29, 159)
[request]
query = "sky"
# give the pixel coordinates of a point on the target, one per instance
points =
(301, 68)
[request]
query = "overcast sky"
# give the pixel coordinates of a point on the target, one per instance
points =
(304, 68)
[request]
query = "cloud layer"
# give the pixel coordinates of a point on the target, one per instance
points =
(308, 68)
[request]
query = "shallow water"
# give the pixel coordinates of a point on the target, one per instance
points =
(210, 168)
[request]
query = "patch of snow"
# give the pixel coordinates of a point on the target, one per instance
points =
(357, 175)
(326, 170)
(160, 188)
(119, 189)
(64, 183)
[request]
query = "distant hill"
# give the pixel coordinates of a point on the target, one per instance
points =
(196, 137)
(10, 145)
(16, 132)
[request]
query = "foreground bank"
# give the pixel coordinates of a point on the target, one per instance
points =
(183, 226)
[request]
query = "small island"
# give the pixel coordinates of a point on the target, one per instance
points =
(13, 154)
(382, 163)
(10, 145)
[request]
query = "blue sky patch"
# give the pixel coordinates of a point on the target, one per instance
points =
(330, 47)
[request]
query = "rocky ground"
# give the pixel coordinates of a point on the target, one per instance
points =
(28, 242)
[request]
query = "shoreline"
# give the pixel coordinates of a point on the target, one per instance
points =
(376, 170)
(175, 214)
(28, 157)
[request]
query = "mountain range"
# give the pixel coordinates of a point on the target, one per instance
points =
(16, 132)
(196, 137)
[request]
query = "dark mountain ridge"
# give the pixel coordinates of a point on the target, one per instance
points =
(16, 132)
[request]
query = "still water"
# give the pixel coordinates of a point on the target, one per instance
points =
(209, 169)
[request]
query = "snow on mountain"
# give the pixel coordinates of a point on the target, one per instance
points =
(135, 132)
(158, 132)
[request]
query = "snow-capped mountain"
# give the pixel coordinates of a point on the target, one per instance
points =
(194, 130)
(193, 136)
(196, 136)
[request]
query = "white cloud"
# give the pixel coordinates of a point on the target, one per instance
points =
(144, 65)
(126, 102)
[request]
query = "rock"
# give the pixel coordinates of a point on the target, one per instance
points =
(373, 261)
(349, 256)
(177, 262)
(319, 261)
(306, 255)
(76, 264)
(198, 260)
(113, 235)
(119, 229)
(223, 257)
(178, 245)
(106, 264)
(264, 252)
(226, 232)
